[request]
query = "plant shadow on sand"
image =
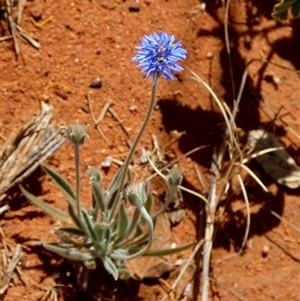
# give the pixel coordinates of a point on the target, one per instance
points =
(196, 123)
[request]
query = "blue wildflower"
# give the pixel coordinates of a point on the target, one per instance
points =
(158, 54)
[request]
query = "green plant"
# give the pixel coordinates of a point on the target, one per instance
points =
(280, 10)
(109, 232)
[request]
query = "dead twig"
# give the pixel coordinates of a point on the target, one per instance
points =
(12, 26)
(15, 26)
(183, 269)
(21, 5)
(114, 114)
(42, 23)
(98, 121)
(26, 148)
(9, 264)
(227, 289)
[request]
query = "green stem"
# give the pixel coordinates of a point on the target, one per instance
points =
(77, 167)
(148, 219)
(166, 204)
(133, 148)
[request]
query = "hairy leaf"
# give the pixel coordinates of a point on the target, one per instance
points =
(72, 231)
(280, 10)
(111, 267)
(90, 226)
(62, 183)
(132, 225)
(122, 221)
(47, 208)
(73, 215)
(98, 196)
(169, 251)
(72, 254)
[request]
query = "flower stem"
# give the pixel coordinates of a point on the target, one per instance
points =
(148, 219)
(134, 145)
(167, 202)
(77, 167)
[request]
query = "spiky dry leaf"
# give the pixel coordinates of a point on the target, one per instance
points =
(278, 164)
(26, 148)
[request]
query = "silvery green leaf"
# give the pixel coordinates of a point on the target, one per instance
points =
(132, 225)
(73, 215)
(47, 208)
(72, 254)
(280, 10)
(148, 206)
(114, 183)
(89, 225)
(104, 225)
(64, 238)
(105, 217)
(122, 220)
(112, 199)
(110, 267)
(169, 251)
(138, 238)
(103, 244)
(98, 196)
(99, 231)
(72, 231)
(114, 226)
(149, 202)
(119, 254)
(61, 182)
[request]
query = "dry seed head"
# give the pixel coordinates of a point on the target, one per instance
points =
(136, 194)
(76, 132)
(174, 176)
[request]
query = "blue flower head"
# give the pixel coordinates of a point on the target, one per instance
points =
(159, 54)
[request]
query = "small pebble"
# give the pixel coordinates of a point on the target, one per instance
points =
(134, 8)
(209, 55)
(96, 84)
(133, 108)
(265, 250)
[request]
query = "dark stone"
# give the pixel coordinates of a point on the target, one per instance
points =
(96, 84)
(134, 8)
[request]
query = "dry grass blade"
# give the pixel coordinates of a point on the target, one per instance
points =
(15, 25)
(200, 196)
(26, 148)
(9, 264)
(228, 289)
(201, 179)
(177, 160)
(278, 164)
(247, 211)
(260, 153)
(183, 269)
(253, 175)
(12, 26)
(219, 103)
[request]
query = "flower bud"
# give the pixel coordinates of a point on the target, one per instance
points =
(174, 176)
(136, 194)
(76, 132)
(94, 174)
